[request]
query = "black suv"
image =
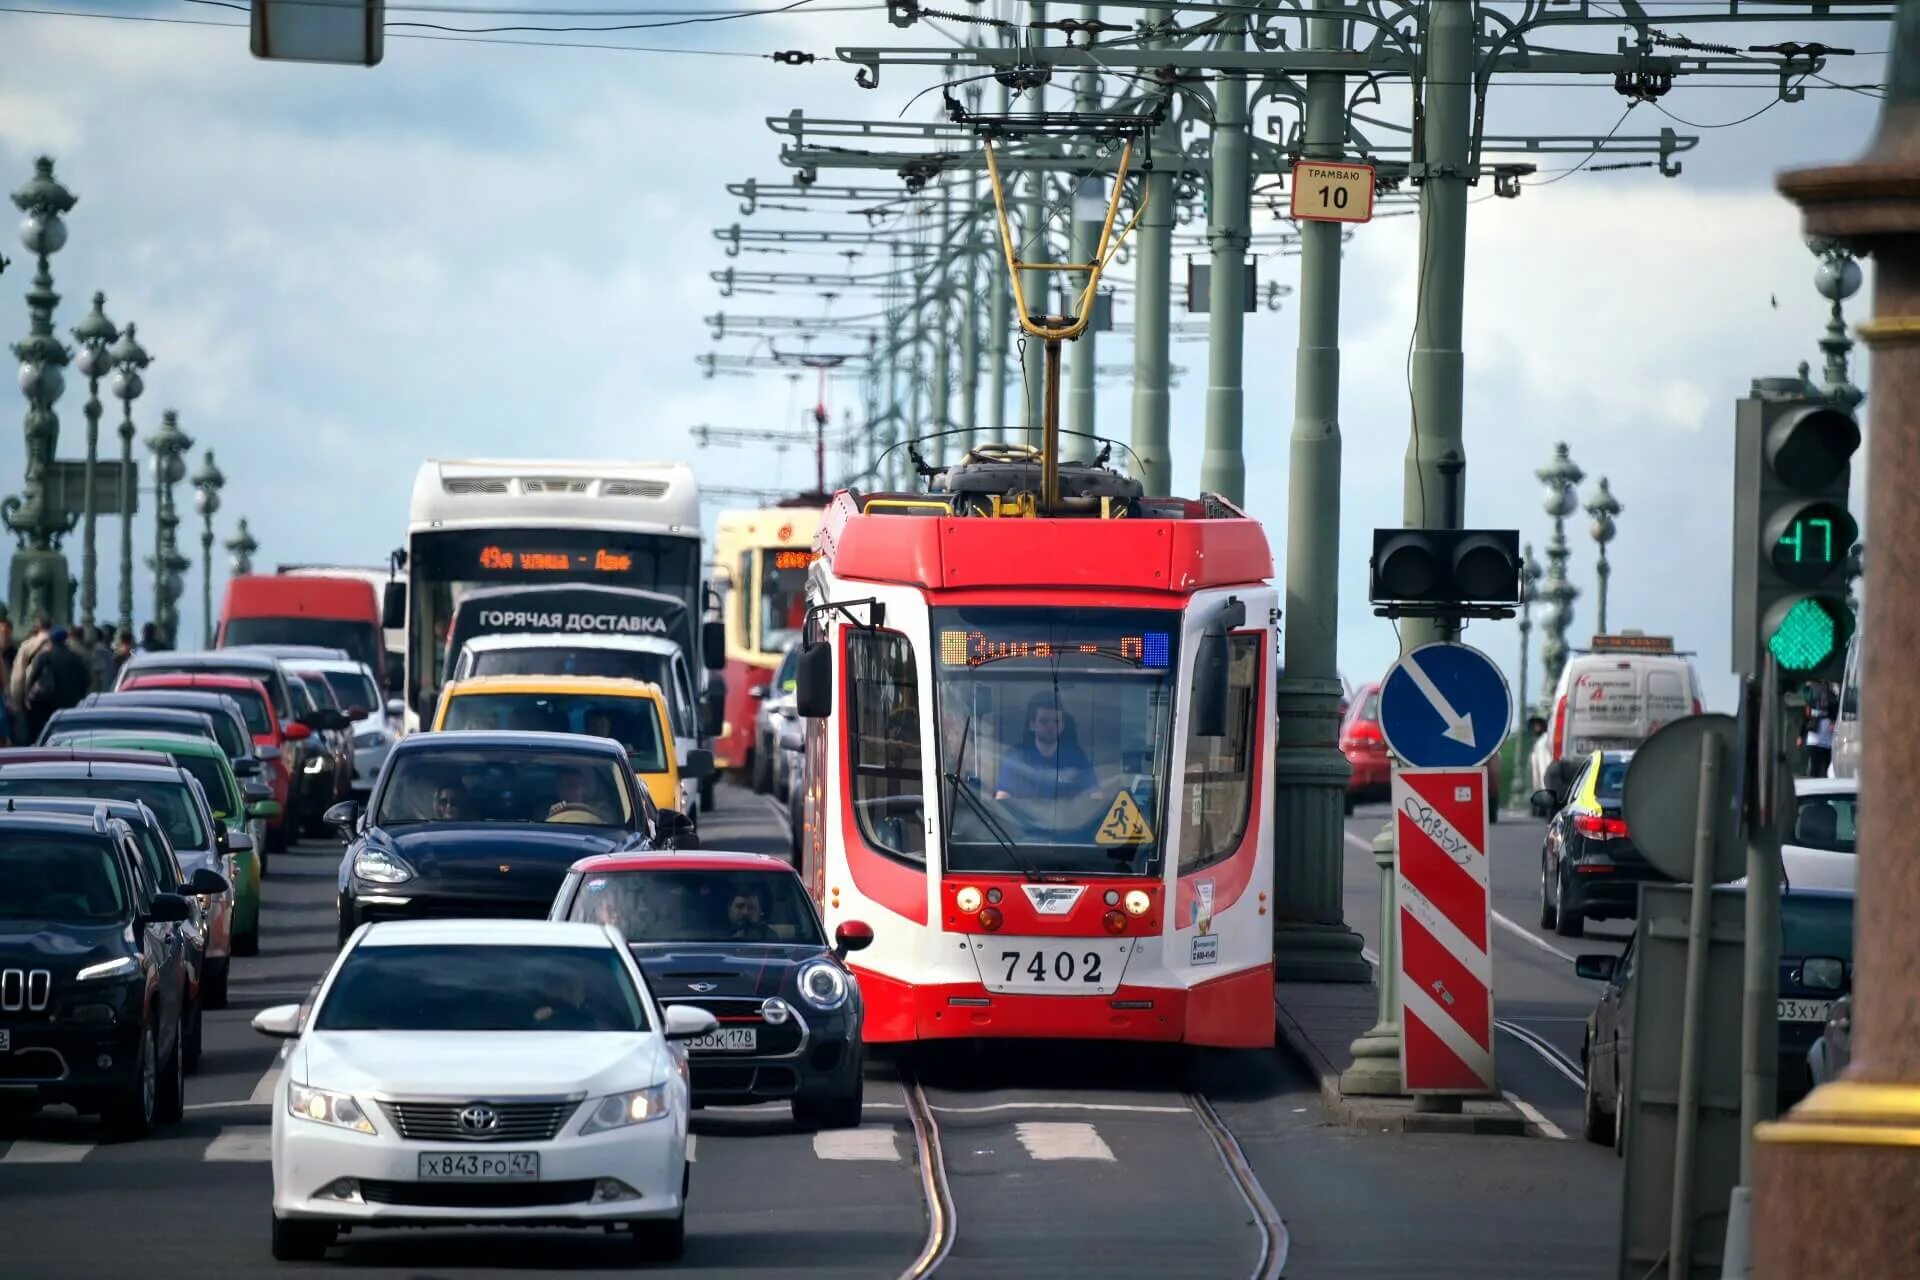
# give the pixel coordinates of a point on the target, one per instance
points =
(93, 973)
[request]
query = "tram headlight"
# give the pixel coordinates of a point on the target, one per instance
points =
(1138, 902)
(968, 899)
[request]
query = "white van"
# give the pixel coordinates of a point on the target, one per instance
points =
(1846, 726)
(1613, 697)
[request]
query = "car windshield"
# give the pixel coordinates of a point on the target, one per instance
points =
(447, 987)
(320, 691)
(167, 797)
(699, 906)
(555, 660)
(59, 877)
(632, 722)
(216, 779)
(353, 689)
(357, 638)
(503, 784)
(1827, 822)
(1816, 925)
(1055, 731)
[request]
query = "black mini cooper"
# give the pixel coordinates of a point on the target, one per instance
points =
(736, 934)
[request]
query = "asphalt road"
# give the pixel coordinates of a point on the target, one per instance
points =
(1061, 1160)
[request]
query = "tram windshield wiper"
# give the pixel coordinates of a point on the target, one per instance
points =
(956, 785)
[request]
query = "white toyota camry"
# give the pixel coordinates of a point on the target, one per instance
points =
(496, 1072)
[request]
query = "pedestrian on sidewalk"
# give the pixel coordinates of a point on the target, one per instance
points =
(23, 665)
(59, 678)
(1820, 744)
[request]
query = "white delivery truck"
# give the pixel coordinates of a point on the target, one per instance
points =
(1612, 697)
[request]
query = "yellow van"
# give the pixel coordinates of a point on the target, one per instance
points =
(631, 712)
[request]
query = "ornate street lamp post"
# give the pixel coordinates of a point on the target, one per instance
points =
(1557, 594)
(168, 446)
(1603, 507)
(240, 548)
(94, 334)
(129, 358)
(1529, 580)
(39, 581)
(1837, 278)
(207, 484)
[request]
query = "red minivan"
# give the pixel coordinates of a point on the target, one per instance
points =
(334, 613)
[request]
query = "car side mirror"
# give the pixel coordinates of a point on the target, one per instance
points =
(713, 644)
(342, 816)
(1823, 973)
(676, 830)
(357, 713)
(813, 681)
(1546, 798)
(255, 792)
(240, 841)
(169, 908)
(1597, 967)
(760, 692)
(684, 1022)
(298, 731)
(852, 935)
(245, 766)
(791, 739)
(205, 882)
(396, 707)
(281, 1021)
(264, 809)
(267, 753)
(699, 764)
(393, 606)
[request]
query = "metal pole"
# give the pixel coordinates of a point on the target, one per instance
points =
(1222, 468)
(1034, 235)
(1085, 242)
(1050, 436)
(206, 583)
(1760, 1038)
(129, 359)
(1152, 300)
(970, 325)
(1529, 576)
(1435, 494)
(1311, 939)
(1693, 1001)
(999, 320)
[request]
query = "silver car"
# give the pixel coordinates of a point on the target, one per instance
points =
(775, 712)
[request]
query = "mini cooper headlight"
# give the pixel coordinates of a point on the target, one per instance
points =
(380, 867)
(323, 1106)
(616, 1111)
(823, 985)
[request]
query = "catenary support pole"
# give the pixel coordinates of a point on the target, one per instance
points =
(970, 265)
(1311, 939)
(999, 319)
(1152, 302)
(1033, 241)
(1081, 404)
(1222, 468)
(943, 329)
(1436, 460)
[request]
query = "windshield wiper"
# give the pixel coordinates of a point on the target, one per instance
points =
(956, 786)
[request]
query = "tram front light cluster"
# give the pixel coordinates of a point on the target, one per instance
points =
(989, 918)
(1115, 922)
(1138, 902)
(969, 899)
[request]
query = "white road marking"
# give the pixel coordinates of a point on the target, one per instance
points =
(868, 1142)
(1527, 936)
(693, 1141)
(1532, 1113)
(1539, 1044)
(1061, 1140)
(263, 1091)
(26, 1151)
(251, 1143)
(1061, 1106)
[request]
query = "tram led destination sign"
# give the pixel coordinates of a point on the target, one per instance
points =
(791, 559)
(976, 648)
(500, 559)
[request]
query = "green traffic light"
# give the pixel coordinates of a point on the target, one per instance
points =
(1807, 637)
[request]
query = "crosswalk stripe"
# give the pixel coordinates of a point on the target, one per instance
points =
(868, 1142)
(263, 1091)
(26, 1151)
(1061, 1140)
(249, 1143)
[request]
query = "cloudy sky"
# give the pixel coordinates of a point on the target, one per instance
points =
(494, 249)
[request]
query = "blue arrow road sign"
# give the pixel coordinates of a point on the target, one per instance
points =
(1444, 705)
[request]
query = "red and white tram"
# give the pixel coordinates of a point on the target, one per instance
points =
(1038, 755)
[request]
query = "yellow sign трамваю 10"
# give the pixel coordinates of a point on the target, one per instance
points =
(1332, 191)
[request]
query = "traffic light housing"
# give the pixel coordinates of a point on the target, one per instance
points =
(1793, 533)
(1440, 570)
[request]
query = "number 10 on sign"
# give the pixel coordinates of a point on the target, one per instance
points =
(1330, 191)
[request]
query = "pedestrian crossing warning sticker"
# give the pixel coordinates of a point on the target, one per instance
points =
(1124, 823)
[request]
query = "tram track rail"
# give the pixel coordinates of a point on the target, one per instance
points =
(942, 1224)
(1274, 1241)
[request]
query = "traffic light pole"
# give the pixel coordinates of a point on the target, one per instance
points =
(1311, 939)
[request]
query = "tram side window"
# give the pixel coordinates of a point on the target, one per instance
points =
(883, 691)
(1219, 777)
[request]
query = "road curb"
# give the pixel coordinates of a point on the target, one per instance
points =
(1490, 1116)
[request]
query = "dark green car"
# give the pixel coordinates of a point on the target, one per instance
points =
(242, 810)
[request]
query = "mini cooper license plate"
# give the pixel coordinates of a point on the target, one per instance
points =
(477, 1166)
(728, 1040)
(6, 1040)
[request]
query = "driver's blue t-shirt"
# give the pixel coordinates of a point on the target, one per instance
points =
(1026, 774)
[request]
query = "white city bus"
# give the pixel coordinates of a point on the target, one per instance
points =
(1846, 725)
(477, 523)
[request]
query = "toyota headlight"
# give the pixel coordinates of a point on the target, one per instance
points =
(616, 1111)
(119, 967)
(323, 1106)
(823, 985)
(380, 867)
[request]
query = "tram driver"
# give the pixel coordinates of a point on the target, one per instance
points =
(1048, 766)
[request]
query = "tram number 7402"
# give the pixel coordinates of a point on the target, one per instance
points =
(1040, 967)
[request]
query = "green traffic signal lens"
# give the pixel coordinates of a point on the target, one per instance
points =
(1809, 635)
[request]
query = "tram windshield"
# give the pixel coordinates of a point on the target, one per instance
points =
(1056, 727)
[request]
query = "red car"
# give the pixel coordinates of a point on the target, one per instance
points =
(1365, 747)
(269, 739)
